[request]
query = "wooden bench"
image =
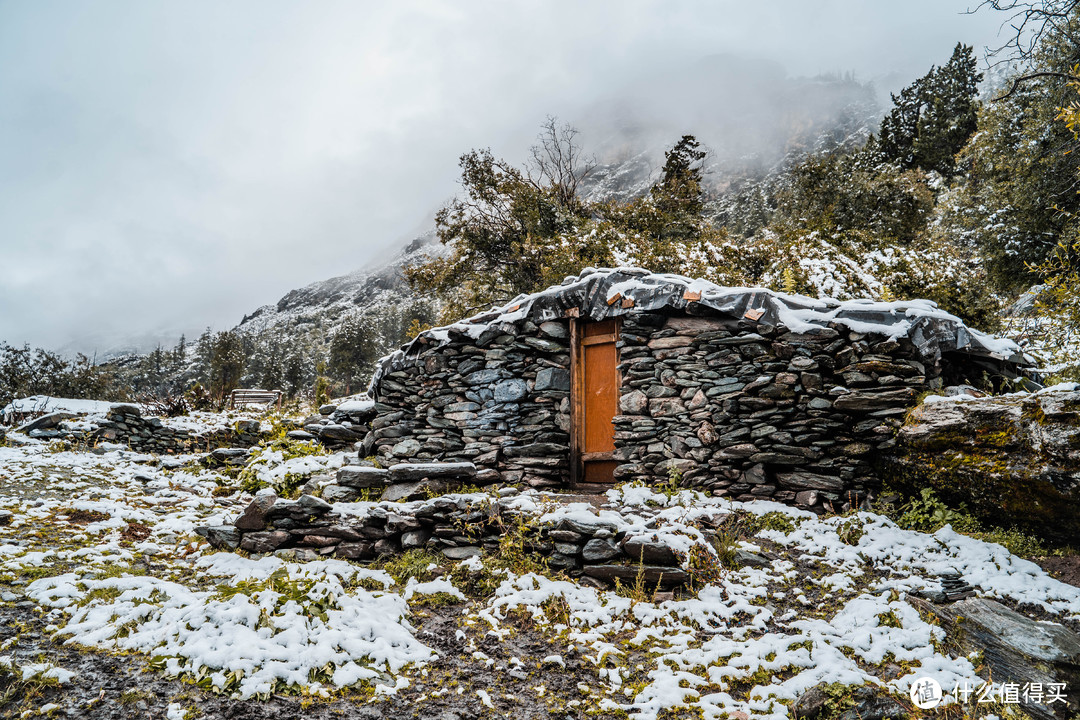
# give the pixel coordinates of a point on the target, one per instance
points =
(253, 396)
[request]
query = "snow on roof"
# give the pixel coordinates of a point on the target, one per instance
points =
(599, 294)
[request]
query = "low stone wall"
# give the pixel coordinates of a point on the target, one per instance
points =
(458, 527)
(1013, 460)
(125, 425)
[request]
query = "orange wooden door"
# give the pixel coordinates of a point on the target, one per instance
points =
(599, 401)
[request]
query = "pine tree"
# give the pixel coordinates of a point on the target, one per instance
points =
(679, 190)
(933, 118)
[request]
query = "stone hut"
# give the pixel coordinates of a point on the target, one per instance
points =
(622, 374)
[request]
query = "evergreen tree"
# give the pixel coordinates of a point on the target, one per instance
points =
(679, 191)
(932, 118)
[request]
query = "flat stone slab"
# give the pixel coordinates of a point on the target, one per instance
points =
(407, 472)
(359, 476)
(651, 575)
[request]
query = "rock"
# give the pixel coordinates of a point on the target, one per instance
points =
(340, 433)
(414, 490)
(746, 558)
(360, 476)
(230, 456)
(264, 541)
(649, 552)
(404, 472)
(1012, 459)
(46, 422)
(6, 517)
(665, 407)
(414, 539)
(554, 329)
(552, 379)
(870, 400)
(386, 546)
(255, 514)
(461, 553)
(327, 409)
(224, 537)
(873, 705)
(510, 391)
(313, 505)
(651, 575)
(810, 704)
(586, 527)
(1015, 648)
(806, 498)
(803, 480)
(340, 493)
(406, 448)
(599, 549)
(248, 427)
(299, 435)
(124, 410)
(355, 550)
(634, 402)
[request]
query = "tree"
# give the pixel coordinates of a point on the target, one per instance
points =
(1019, 195)
(679, 190)
(513, 230)
(932, 118)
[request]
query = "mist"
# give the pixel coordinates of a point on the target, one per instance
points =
(168, 167)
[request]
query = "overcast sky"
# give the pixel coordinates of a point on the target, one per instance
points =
(169, 166)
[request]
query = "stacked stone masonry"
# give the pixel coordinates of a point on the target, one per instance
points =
(743, 411)
(457, 527)
(715, 391)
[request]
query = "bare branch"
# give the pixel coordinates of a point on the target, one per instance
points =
(1031, 76)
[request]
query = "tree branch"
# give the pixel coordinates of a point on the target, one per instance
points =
(1031, 76)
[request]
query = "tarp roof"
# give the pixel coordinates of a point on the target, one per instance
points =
(599, 294)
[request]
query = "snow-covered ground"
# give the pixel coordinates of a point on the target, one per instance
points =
(103, 547)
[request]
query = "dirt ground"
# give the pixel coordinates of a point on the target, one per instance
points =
(117, 687)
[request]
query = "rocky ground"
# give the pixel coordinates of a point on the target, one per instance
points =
(112, 607)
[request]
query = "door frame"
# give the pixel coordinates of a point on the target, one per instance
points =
(577, 402)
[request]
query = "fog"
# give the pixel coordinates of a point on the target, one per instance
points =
(165, 167)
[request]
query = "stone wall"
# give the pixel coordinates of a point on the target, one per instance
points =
(742, 409)
(758, 412)
(457, 527)
(125, 425)
(500, 400)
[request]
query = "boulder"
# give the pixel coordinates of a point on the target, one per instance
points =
(1012, 459)
(1015, 648)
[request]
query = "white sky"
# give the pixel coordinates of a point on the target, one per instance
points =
(169, 166)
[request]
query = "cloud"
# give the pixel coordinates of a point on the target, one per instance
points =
(165, 167)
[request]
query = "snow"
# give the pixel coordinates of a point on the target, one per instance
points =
(356, 405)
(46, 404)
(257, 625)
(594, 291)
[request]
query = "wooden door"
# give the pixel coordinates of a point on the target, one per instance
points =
(598, 402)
